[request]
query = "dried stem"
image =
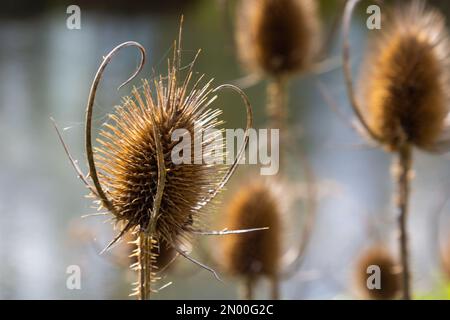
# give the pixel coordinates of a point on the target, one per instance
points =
(277, 101)
(247, 288)
(403, 184)
(275, 288)
(145, 265)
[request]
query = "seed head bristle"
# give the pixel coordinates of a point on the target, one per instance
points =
(277, 37)
(253, 254)
(406, 78)
(390, 283)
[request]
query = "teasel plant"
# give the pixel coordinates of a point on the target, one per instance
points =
(277, 40)
(136, 180)
(403, 99)
(252, 257)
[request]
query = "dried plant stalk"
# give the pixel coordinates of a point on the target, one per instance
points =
(137, 182)
(146, 258)
(403, 184)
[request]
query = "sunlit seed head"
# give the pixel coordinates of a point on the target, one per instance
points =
(406, 77)
(127, 156)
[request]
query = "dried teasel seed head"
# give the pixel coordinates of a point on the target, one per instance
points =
(254, 254)
(127, 156)
(277, 37)
(165, 256)
(406, 78)
(390, 283)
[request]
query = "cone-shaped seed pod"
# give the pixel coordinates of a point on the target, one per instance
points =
(389, 277)
(277, 37)
(253, 255)
(405, 78)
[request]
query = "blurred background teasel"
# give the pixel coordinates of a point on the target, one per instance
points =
(46, 70)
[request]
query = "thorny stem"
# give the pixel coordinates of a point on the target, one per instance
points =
(145, 263)
(403, 184)
(142, 268)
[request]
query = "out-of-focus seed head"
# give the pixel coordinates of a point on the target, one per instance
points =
(277, 37)
(390, 283)
(253, 254)
(406, 78)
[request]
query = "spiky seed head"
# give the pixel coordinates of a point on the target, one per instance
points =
(406, 78)
(390, 283)
(253, 254)
(127, 155)
(277, 37)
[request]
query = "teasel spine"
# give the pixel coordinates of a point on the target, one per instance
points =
(144, 265)
(277, 108)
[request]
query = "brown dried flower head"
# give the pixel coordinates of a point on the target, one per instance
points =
(258, 253)
(277, 37)
(390, 283)
(406, 78)
(128, 156)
